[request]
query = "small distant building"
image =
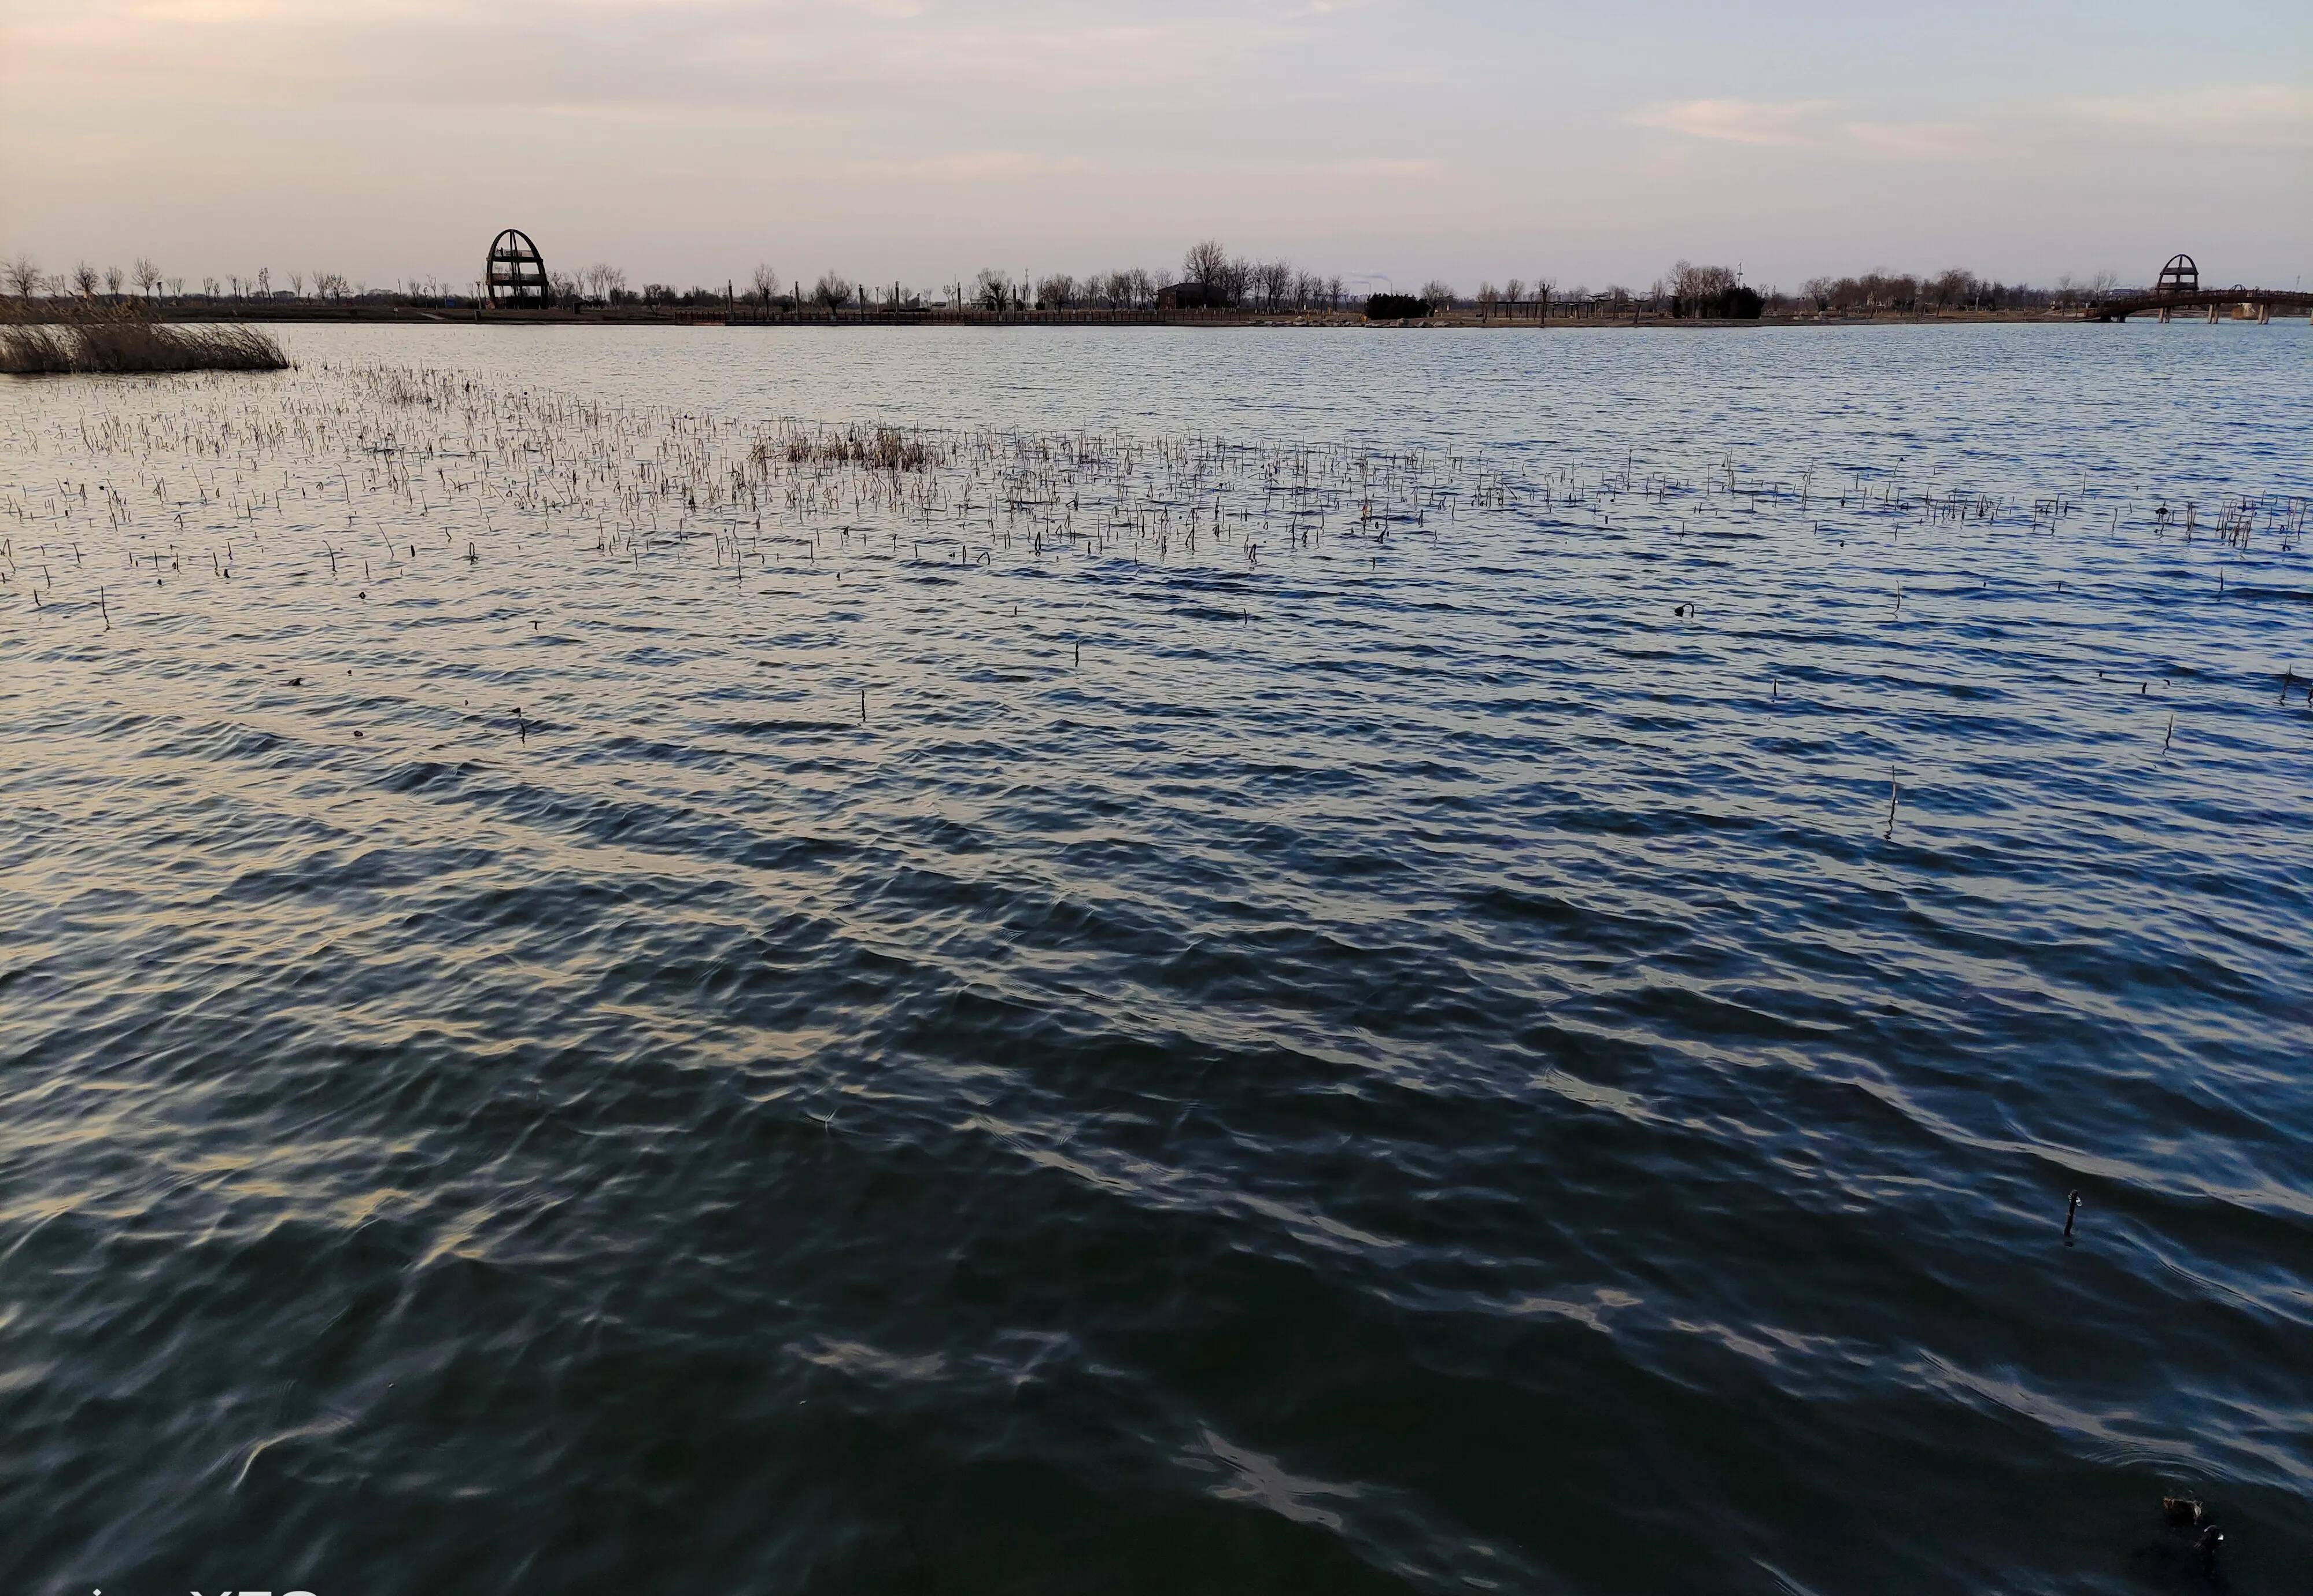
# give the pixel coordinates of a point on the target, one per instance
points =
(1191, 296)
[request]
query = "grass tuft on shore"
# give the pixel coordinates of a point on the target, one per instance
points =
(119, 337)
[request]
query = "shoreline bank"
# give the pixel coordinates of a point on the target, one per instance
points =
(677, 316)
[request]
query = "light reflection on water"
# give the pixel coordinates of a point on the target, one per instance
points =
(1404, 1062)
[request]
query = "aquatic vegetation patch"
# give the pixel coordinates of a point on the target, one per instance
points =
(116, 339)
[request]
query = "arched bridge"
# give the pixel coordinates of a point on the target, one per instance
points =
(2265, 302)
(2180, 290)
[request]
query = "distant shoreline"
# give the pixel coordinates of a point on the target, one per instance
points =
(649, 316)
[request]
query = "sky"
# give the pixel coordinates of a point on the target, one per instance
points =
(1387, 141)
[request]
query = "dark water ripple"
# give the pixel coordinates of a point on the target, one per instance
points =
(1421, 1075)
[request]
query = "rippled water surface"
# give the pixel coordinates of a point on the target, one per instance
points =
(1318, 961)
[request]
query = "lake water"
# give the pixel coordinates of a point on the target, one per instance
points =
(1313, 960)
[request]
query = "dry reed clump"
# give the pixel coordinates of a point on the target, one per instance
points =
(877, 448)
(402, 387)
(36, 350)
(96, 336)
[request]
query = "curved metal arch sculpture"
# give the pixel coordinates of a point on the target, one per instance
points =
(515, 276)
(2180, 276)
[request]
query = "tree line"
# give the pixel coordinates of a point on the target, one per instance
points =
(1209, 278)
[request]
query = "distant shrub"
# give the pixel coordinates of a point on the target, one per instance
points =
(1738, 303)
(1395, 307)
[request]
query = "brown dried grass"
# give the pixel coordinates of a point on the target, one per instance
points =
(877, 448)
(51, 340)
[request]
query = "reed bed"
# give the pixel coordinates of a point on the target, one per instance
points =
(442, 446)
(119, 339)
(365, 475)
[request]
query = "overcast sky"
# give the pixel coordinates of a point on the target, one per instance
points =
(686, 140)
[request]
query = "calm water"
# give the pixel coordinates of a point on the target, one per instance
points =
(1403, 1060)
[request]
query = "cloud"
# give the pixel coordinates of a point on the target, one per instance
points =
(1014, 165)
(1738, 121)
(965, 166)
(1810, 125)
(885, 57)
(1919, 141)
(2260, 115)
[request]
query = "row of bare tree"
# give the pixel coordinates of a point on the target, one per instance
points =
(1218, 278)
(1229, 280)
(1953, 288)
(26, 280)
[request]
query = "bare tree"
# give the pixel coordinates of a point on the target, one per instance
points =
(84, 278)
(1333, 292)
(1513, 293)
(1056, 292)
(176, 288)
(1439, 295)
(1206, 264)
(114, 280)
(24, 276)
(830, 293)
(1693, 286)
(764, 285)
(148, 276)
(991, 290)
(297, 284)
